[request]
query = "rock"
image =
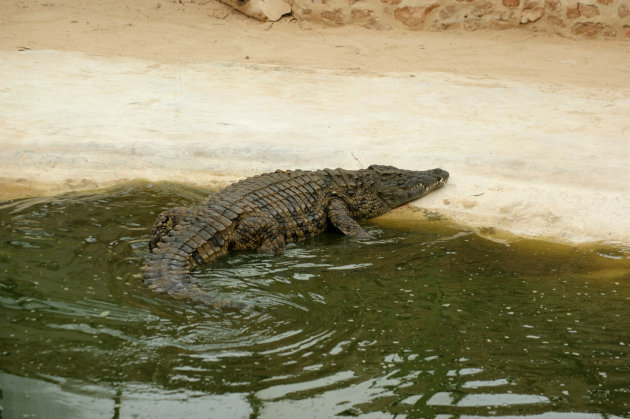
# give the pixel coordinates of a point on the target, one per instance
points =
(305, 12)
(587, 28)
(532, 15)
(609, 32)
(484, 9)
(587, 11)
(573, 12)
(392, 1)
(623, 11)
(263, 10)
(604, 1)
(556, 21)
(377, 25)
(473, 24)
(413, 16)
(335, 16)
(626, 30)
(447, 12)
(511, 3)
(553, 5)
(361, 13)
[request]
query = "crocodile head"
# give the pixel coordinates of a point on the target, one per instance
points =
(397, 186)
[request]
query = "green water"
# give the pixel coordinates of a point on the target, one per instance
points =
(427, 319)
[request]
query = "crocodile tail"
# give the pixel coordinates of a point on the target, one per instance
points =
(167, 269)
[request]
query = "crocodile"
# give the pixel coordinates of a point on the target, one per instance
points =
(265, 212)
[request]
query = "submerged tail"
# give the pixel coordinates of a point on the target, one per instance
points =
(172, 277)
(167, 269)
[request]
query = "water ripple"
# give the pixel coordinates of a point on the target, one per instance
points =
(419, 323)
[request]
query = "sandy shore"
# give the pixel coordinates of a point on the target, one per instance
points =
(534, 129)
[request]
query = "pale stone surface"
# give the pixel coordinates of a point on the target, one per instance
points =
(543, 160)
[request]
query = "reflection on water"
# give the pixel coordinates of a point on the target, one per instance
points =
(425, 320)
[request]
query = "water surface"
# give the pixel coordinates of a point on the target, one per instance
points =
(426, 319)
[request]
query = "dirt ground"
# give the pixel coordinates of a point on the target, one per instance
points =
(208, 31)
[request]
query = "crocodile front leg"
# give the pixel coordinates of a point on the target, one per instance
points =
(340, 218)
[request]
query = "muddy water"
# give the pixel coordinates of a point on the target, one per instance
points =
(426, 319)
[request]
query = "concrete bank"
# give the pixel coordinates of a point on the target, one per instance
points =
(537, 160)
